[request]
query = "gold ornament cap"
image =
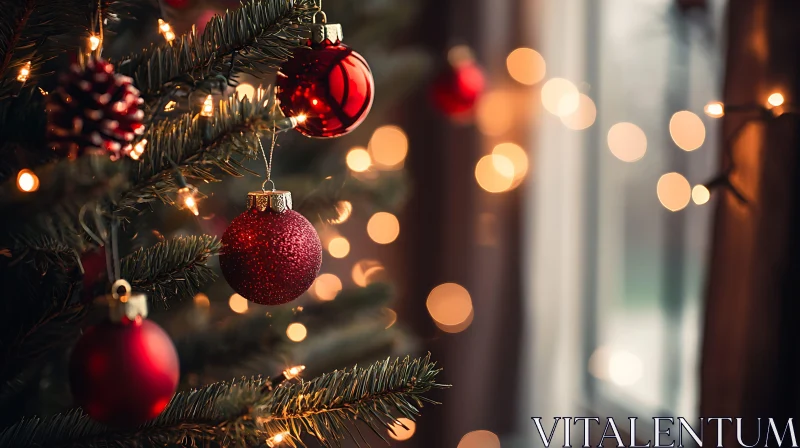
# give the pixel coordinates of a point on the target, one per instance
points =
(125, 303)
(277, 201)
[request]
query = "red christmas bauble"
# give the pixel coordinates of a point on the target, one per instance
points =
(270, 257)
(124, 373)
(178, 4)
(456, 90)
(328, 83)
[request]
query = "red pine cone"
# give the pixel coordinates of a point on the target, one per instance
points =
(94, 110)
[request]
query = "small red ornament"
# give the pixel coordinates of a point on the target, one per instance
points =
(456, 89)
(94, 110)
(178, 4)
(270, 253)
(328, 83)
(123, 372)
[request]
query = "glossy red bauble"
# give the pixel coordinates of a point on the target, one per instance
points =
(330, 84)
(178, 4)
(456, 90)
(270, 258)
(124, 374)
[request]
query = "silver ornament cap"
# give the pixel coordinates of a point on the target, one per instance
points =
(277, 201)
(323, 31)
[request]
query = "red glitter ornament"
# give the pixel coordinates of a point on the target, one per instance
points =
(94, 110)
(123, 372)
(456, 89)
(328, 83)
(270, 254)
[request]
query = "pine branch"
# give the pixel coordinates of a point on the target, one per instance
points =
(242, 339)
(199, 146)
(247, 412)
(261, 33)
(48, 219)
(172, 268)
(374, 395)
(37, 31)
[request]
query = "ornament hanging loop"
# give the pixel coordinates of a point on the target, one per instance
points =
(323, 16)
(121, 285)
(264, 185)
(126, 304)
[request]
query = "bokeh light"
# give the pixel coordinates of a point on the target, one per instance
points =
(624, 368)
(494, 113)
(390, 316)
(366, 271)
(560, 97)
(775, 100)
(449, 304)
(326, 287)
(526, 66)
(459, 327)
(238, 304)
(627, 142)
(245, 90)
(339, 247)
(495, 173)
(700, 194)
(518, 158)
(358, 160)
(714, 109)
(296, 332)
(621, 367)
(674, 191)
(383, 228)
(399, 432)
(480, 439)
(687, 130)
(583, 117)
(201, 300)
(27, 181)
(388, 147)
(344, 210)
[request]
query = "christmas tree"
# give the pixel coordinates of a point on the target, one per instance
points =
(98, 152)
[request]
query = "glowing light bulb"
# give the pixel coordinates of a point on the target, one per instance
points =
(276, 439)
(344, 209)
(24, 72)
(300, 118)
(187, 198)
(293, 372)
(208, 107)
(714, 109)
(138, 149)
(166, 30)
(94, 42)
(27, 181)
(775, 100)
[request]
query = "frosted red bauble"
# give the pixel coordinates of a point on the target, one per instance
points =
(269, 257)
(456, 90)
(330, 84)
(124, 374)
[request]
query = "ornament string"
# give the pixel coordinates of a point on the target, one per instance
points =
(268, 161)
(99, 23)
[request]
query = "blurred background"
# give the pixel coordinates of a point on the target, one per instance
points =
(526, 201)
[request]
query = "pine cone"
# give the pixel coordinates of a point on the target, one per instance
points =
(94, 110)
